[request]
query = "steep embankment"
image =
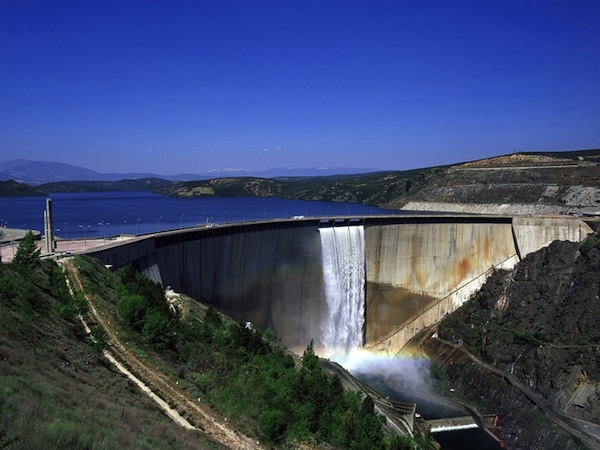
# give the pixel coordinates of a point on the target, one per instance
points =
(159, 386)
(515, 184)
(55, 389)
(538, 324)
(227, 384)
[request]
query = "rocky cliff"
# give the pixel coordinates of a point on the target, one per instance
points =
(520, 183)
(540, 324)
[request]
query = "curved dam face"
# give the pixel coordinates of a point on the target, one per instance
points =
(272, 277)
(418, 272)
(417, 269)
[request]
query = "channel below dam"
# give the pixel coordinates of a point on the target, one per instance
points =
(416, 268)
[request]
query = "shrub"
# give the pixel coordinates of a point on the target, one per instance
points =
(8, 288)
(69, 306)
(99, 339)
(157, 329)
(525, 337)
(273, 424)
(133, 308)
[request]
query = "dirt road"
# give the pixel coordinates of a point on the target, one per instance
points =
(194, 413)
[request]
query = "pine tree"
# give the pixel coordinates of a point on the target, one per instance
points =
(310, 361)
(28, 253)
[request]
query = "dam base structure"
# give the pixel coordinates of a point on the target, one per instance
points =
(417, 268)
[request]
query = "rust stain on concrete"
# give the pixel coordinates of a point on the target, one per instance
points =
(389, 308)
(462, 269)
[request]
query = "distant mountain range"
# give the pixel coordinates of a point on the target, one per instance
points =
(520, 183)
(40, 172)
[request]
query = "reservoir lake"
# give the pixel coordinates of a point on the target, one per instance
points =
(79, 215)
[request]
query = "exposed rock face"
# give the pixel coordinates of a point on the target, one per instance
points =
(508, 209)
(568, 182)
(521, 425)
(540, 323)
(517, 184)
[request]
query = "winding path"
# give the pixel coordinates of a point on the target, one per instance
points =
(176, 403)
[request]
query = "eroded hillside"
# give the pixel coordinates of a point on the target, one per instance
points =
(540, 324)
(532, 182)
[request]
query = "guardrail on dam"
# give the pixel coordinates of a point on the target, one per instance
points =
(418, 268)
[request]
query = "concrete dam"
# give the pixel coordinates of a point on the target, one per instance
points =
(416, 268)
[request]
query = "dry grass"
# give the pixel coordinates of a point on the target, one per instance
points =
(56, 393)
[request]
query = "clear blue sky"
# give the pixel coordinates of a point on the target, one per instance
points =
(182, 86)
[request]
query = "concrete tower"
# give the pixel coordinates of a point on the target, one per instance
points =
(49, 227)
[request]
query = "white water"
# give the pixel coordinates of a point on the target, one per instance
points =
(344, 276)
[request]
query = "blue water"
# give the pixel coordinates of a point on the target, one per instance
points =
(113, 213)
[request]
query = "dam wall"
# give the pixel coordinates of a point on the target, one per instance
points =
(271, 276)
(417, 268)
(419, 272)
(533, 233)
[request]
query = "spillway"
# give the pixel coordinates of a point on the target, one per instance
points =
(343, 256)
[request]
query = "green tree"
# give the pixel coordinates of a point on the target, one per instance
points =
(402, 443)
(368, 406)
(158, 329)
(133, 308)
(8, 288)
(272, 424)
(28, 254)
(310, 361)
(213, 318)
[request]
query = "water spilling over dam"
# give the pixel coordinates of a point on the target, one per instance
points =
(343, 255)
(416, 269)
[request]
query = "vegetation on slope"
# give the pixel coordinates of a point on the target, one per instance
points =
(239, 371)
(55, 390)
(562, 179)
(373, 189)
(12, 188)
(141, 184)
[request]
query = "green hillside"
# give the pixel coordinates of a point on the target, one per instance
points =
(376, 189)
(57, 389)
(12, 188)
(562, 179)
(141, 184)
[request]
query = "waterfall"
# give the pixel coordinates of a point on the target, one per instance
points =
(343, 250)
